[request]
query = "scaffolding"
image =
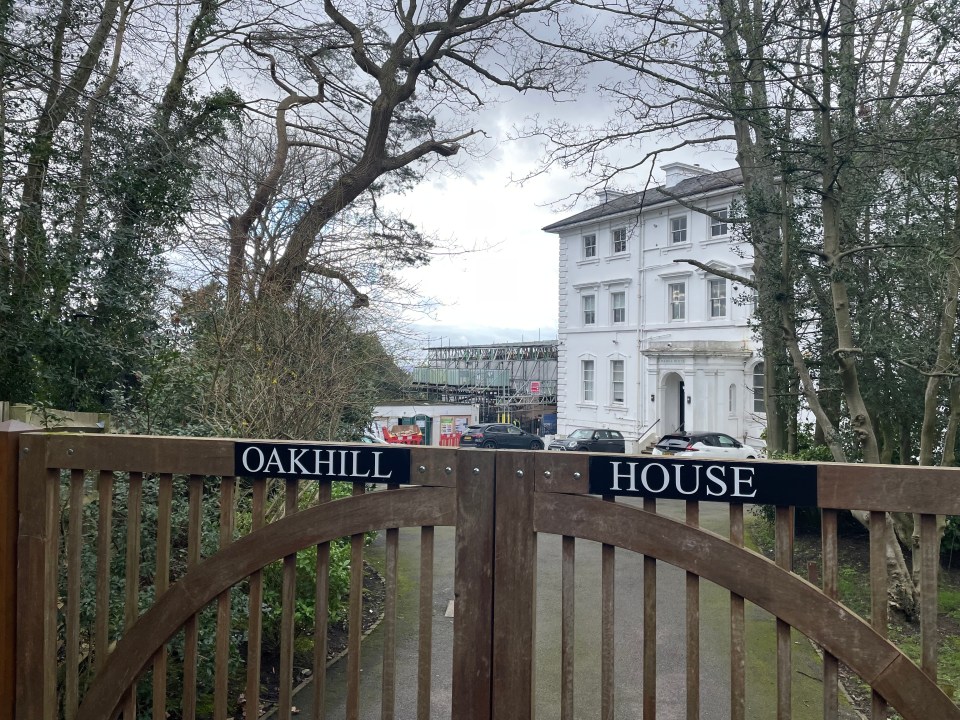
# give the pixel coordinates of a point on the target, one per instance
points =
(508, 381)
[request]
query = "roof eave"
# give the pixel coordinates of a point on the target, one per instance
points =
(568, 225)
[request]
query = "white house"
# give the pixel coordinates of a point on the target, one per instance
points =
(648, 344)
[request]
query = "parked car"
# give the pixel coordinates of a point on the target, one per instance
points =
(372, 439)
(591, 440)
(499, 435)
(704, 444)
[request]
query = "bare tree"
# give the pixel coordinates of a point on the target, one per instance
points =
(379, 92)
(813, 99)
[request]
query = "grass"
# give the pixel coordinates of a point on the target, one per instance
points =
(854, 588)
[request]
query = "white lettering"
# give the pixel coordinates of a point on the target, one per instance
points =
(295, 464)
(274, 461)
(677, 476)
(720, 481)
(376, 467)
(663, 471)
(246, 462)
(329, 462)
(737, 481)
(617, 476)
(356, 465)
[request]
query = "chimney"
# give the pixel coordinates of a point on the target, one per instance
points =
(678, 172)
(607, 194)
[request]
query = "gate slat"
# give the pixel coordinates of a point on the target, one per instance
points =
(738, 667)
(649, 627)
(74, 540)
(425, 635)
(255, 608)
(222, 653)
(355, 622)
(131, 606)
(388, 693)
(693, 626)
(322, 609)
(104, 544)
(161, 583)
(831, 588)
(288, 598)
(567, 631)
(878, 593)
(784, 558)
(195, 492)
(929, 568)
(607, 623)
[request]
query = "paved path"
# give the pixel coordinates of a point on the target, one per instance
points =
(629, 593)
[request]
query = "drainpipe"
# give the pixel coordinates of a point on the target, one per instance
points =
(641, 413)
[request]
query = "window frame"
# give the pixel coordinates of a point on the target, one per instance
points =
(622, 241)
(673, 305)
(680, 232)
(615, 309)
(718, 303)
(618, 366)
(591, 312)
(588, 246)
(720, 228)
(759, 402)
(588, 380)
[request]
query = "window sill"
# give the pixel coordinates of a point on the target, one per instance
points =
(717, 240)
(678, 246)
(588, 261)
(618, 256)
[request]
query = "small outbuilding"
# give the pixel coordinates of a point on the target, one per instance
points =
(438, 424)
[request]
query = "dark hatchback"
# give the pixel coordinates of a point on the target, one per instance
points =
(591, 440)
(500, 435)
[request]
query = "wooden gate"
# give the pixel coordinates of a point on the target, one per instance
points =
(88, 645)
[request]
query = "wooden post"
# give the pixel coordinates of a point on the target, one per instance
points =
(473, 586)
(514, 600)
(9, 473)
(38, 503)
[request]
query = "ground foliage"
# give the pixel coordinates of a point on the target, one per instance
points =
(145, 583)
(854, 589)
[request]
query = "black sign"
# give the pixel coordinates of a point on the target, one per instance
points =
(712, 480)
(369, 463)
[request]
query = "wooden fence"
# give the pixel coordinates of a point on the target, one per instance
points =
(117, 581)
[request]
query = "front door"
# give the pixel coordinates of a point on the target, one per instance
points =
(681, 406)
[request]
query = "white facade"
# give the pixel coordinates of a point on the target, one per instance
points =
(647, 344)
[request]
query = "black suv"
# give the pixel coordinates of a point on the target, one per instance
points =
(500, 435)
(591, 440)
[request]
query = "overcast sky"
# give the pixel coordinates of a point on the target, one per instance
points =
(508, 291)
